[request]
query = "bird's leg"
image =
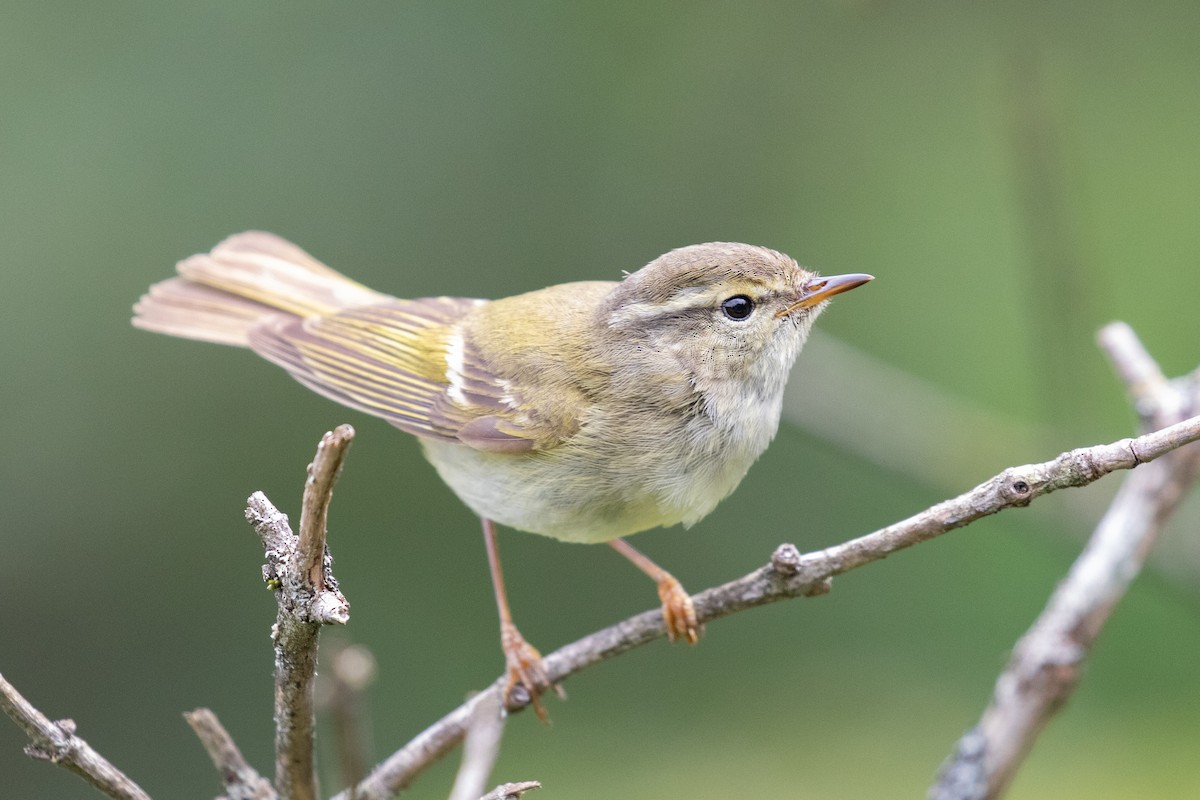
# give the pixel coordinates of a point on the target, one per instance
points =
(522, 659)
(678, 612)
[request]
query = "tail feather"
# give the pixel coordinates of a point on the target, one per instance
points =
(246, 279)
(178, 307)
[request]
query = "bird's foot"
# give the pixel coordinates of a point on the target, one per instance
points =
(527, 677)
(679, 613)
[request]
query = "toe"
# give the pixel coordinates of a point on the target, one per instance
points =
(679, 613)
(527, 676)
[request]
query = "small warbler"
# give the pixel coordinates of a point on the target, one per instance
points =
(584, 411)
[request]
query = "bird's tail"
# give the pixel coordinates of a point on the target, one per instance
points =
(250, 277)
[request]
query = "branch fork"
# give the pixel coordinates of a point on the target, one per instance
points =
(299, 567)
(1045, 666)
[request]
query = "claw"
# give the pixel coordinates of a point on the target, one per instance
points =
(527, 677)
(679, 613)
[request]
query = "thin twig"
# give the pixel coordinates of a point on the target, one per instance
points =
(305, 604)
(241, 781)
(323, 473)
(56, 742)
(481, 748)
(1046, 663)
(353, 670)
(511, 791)
(842, 391)
(1156, 404)
(790, 574)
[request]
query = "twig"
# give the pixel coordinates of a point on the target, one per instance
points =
(241, 781)
(314, 510)
(305, 604)
(485, 729)
(511, 791)
(790, 574)
(353, 671)
(839, 398)
(1153, 398)
(1046, 663)
(57, 743)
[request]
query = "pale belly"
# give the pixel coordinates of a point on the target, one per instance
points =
(557, 494)
(606, 482)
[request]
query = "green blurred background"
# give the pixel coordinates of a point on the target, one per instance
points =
(1015, 174)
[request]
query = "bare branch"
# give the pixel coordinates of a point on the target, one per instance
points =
(1157, 406)
(353, 671)
(790, 574)
(1014, 487)
(57, 743)
(308, 595)
(1046, 663)
(241, 781)
(511, 791)
(839, 398)
(485, 729)
(318, 491)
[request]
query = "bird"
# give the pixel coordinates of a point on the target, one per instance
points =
(585, 411)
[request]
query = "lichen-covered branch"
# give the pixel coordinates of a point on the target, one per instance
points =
(792, 574)
(299, 568)
(56, 742)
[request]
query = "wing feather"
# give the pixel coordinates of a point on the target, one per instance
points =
(398, 360)
(381, 359)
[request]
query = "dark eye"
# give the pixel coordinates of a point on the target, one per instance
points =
(738, 307)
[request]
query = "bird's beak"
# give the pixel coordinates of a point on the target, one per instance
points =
(819, 290)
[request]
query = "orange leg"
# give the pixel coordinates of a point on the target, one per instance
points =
(523, 661)
(678, 611)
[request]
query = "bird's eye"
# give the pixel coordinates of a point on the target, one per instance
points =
(738, 307)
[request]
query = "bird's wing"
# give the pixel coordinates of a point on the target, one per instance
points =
(409, 362)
